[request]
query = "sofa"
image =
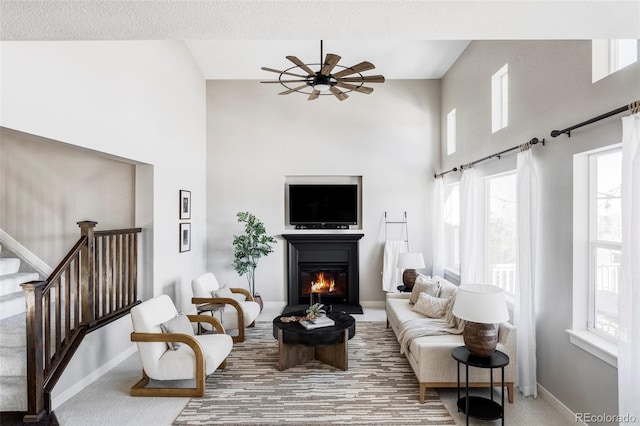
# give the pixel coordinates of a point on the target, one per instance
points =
(430, 355)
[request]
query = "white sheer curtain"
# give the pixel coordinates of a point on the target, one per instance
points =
(438, 227)
(629, 292)
(471, 228)
(525, 312)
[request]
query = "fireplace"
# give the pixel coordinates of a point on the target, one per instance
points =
(324, 268)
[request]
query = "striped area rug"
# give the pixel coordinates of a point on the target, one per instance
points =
(378, 388)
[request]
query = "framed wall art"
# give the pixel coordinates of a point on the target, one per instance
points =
(185, 237)
(185, 204)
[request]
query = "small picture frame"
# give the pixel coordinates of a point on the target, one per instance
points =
(185, 204)
(185, 237)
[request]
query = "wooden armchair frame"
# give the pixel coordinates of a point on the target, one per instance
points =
(139, 388)
(233, 302)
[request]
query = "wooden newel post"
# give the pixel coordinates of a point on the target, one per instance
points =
(35, 356)
(87, 271)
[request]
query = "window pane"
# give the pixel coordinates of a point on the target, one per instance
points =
(501, 250)
(607, 278)
(608, 200)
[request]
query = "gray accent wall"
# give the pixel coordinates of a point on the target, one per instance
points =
(549, 88)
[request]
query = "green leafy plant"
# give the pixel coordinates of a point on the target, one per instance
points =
(316, 310)
(250, 247)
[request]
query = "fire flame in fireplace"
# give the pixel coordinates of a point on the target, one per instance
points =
(323, 284)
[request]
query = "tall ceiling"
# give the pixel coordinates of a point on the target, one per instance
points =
(404, 39)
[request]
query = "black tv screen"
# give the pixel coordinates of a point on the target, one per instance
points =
(323, 204)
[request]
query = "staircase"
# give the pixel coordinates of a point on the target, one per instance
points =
(13, 361)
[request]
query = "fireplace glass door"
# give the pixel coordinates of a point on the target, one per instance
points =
(326, 283)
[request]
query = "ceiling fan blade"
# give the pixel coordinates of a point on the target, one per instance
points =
(284, 81)
(314, 95)
(295, 89)
(338, 94)
(363, 79)
(362, 66)
(330, 61)
(361, 89)
(283, 72)
(301, 64)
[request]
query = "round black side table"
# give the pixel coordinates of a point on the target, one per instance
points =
(476, 406)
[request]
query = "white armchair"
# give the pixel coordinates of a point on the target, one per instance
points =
(175, 353)
(239, 311)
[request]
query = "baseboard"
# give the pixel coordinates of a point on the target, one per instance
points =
(373, 304)
(7, 240)
(95, 375)
(564, 411)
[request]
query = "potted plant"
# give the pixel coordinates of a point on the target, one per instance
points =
(316, 310)
(250, 247)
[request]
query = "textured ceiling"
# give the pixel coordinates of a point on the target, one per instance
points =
(404, 39)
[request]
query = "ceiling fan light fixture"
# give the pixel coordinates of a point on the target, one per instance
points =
(324, 80)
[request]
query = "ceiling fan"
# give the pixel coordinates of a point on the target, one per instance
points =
(316, 82)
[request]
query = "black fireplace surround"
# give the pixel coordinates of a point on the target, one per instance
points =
(334, 255)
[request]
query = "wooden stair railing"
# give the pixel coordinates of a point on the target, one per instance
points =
(95, 284)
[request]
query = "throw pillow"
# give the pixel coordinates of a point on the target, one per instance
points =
(423, 284)
(223, 292)
(432, 307)
(180, 325)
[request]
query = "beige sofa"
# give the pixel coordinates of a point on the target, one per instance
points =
(430, 356)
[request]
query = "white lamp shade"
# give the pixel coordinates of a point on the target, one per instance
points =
(410, 261)
(481, 303)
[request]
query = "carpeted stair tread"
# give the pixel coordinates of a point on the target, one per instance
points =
(12, 361)
(9, 265)
(13, 393)
(10, 283)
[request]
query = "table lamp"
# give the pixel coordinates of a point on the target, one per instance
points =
(410, 262)
(482, 306)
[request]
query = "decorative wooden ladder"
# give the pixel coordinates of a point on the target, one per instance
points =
(95, 284)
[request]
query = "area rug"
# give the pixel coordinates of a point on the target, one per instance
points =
(378, 388)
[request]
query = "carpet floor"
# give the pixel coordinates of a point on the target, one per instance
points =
(378, 388)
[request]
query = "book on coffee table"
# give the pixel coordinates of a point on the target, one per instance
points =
(317, 323)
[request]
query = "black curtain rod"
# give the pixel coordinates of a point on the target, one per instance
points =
(533, 141)
(632, 106)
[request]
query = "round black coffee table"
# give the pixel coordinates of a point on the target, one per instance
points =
(297, 345)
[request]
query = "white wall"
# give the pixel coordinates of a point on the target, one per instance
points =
(143, 101)
(255, 139)
(549, 88)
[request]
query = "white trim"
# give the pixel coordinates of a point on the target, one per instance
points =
(373, 304)
(15, 246)
(58, 400)
(564, 411)
(595, 345)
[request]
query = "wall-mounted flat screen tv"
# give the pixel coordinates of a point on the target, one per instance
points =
(323, 204)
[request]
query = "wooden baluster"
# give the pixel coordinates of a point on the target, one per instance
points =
(35, 363)
(88, 271)
(76, 296)
(105, 276)
(67, 300)
(134, 268)
(97, 305)
(58, 319)
(46, 313)
(118, 270)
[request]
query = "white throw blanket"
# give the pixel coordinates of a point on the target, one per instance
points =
(390, 271)
(418, 327)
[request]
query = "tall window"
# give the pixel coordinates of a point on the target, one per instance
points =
(605, 244)
(609, 56)
(500, 99)
(501, 233)
(597, 250)
(451, 132)
(452, 228)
